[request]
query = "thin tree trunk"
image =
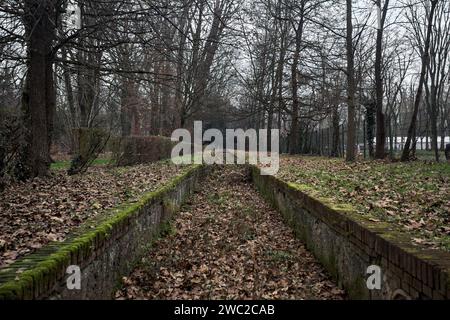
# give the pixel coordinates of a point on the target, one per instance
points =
(293, 143)
(425, 60)
(351, 88)
(335, 142)
(381, 126)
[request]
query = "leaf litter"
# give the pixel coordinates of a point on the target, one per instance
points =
(228, 243)
(414, 196)
(43, 210)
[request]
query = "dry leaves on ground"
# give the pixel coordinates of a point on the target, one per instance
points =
(43, 210)
(228, 243)
(414, 196)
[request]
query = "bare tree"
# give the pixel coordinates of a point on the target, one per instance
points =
(381, 128)
(351, 88)
(425, 61)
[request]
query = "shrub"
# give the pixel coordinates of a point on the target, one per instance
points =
(140, 149)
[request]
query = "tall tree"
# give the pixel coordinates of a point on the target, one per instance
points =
(425, 61)
(351, 88)
(38, 100)
(437, 71)
(298, 28)
(381, 126)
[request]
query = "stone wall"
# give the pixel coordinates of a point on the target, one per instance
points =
(347, 243)
(104, 254)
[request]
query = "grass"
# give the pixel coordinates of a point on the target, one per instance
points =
(423, 155)
(65, 164)
(414, 195)
(219, 199)
(279, 256)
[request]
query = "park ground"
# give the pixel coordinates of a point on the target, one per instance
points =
(227, 242)
(413, 196)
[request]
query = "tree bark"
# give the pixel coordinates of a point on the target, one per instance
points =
(293, 136)
(351, 88)
(370, 124)
(335, 137)
(381, 126)
(38, 98)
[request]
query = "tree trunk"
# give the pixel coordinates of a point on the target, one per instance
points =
(351, 88)
(391, 139)
(433, 121)
(70, 102)
(381, 126)
(38, 99)
(293, 141)
(370, 118)
(335, 123)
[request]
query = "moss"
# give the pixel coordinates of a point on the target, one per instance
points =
(11, 291)
(375, 226)
(314, 194)
(45, 268)
(396, 237)
(300, 187)
(343, 207)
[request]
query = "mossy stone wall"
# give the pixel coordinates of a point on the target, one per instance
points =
(347, 243)
(104, 253)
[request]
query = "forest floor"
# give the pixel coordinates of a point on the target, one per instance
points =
(48, 209)
(414, 196)
(426, 155)
(228, 243)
